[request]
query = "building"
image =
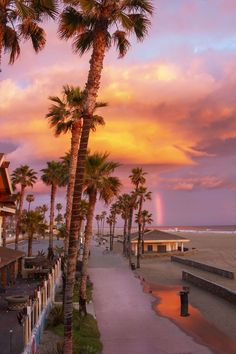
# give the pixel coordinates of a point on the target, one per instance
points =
(7, 204)
(156, 241)
(11, 265)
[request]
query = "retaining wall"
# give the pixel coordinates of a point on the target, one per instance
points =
(208, 268)
(211, 287)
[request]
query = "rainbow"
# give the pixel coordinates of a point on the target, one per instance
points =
(159, 210)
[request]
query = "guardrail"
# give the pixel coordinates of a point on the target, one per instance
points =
(208, 268)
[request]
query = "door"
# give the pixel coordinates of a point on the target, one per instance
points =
(161, 248)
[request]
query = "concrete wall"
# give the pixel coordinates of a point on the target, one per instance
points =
(223, 272)
(211, 287)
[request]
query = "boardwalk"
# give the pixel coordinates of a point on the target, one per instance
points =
(127, 323)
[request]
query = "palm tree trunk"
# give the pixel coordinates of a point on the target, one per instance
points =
(139, 231)
(143, 229)
(110, 228)
(130, 220)
(76, 131)
(91, 91)
(51, 222)
(30, 242)
(22, 194)
(125, 238)
(113, 234)
(87, 239)
(4, 231)
(1, 38)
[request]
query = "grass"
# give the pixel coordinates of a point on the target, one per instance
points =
(86, 336)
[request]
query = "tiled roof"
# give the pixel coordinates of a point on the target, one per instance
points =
(7, 255)
(157, 235)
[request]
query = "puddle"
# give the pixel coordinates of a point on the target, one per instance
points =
(168, 305)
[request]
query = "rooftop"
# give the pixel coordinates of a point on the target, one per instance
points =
(157, 235)
(8, 255)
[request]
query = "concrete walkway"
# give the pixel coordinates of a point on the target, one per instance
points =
(126, 320)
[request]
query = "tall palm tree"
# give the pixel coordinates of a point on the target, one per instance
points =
(30, 199)
(19, 20)
(65, 116)
(31, 222)
(44, 209)
(146, 218)
(103, 219)
(58, 207)
(25, 177)
(4, 230)
(54, 177)
(98, 181)
(114, 211)
(98, 219)
(124, 201)
(142, 195)
(89, 24)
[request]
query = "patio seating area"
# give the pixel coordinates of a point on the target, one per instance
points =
(23, 288)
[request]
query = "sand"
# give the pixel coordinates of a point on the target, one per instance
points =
(214, 249)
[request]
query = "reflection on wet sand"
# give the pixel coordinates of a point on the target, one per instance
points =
(168, 305)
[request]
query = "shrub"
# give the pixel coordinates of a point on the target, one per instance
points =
(56, 316)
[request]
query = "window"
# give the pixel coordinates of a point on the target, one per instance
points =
(149, 248)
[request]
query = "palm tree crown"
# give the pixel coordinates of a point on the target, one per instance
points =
(24, 176)
(67, 110)
(20, 20)
(98, 179)
(116, 19)
(53, 174)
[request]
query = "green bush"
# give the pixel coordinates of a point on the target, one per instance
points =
(56, 316)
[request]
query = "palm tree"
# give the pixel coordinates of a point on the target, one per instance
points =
(25, 177)
(103, 218)
(98, 181)
(30, 199)
(31, 222)
(124, 204)
(44, 209)
(98, 219)
(138, 179)
(114, 211)
(89, 24)
(142, 195)
(19, 20)
(65, 116)
(58, 207)
(53, 176)
(110, 220)
(146, 218)
(4, 230)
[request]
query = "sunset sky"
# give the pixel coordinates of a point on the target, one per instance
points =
(172, 110)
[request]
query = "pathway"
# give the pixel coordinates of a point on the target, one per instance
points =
(126, 320)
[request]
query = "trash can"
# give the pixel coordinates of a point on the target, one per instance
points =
(184, 303)
(132, 266)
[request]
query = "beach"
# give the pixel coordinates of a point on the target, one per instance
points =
(217, 249)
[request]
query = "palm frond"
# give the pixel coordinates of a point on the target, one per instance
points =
(144, 6)
(45, 7)
(83, 42)
(121, 42)
(97, 120)
(141, 25)
(29, 29)
(11, 44)
(71, 23)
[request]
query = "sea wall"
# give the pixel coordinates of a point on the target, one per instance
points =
(208, 268)
(211, 287)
